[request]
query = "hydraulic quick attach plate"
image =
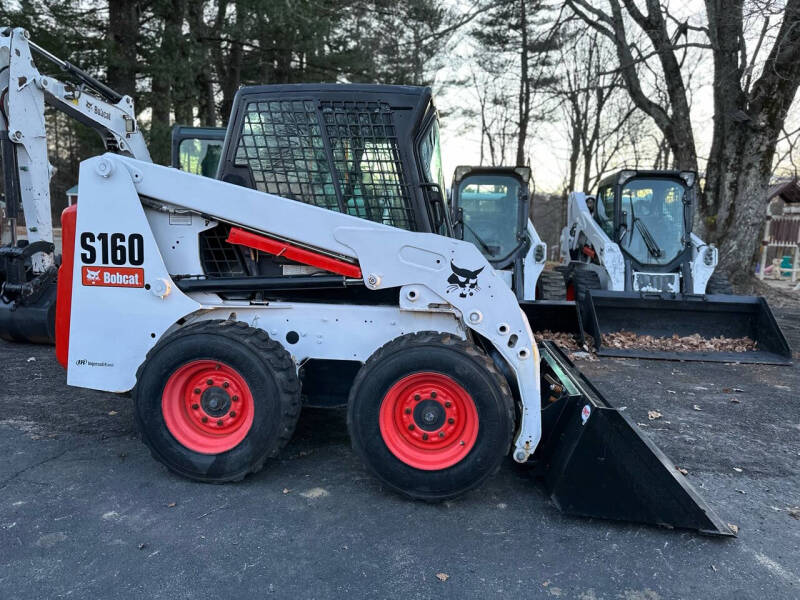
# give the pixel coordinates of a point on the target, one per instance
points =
(595, 461)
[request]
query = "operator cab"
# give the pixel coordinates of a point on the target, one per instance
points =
(649, 215)
(197, 149)
(371, 151)
(490, 209)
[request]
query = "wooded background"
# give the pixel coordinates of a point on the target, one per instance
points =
(703, 85)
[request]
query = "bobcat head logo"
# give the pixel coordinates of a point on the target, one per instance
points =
(92, 275)
(464, 281)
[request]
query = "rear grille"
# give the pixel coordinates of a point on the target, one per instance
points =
(219, 258)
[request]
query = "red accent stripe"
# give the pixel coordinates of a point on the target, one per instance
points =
(301, 255)
(64, 291)
(588, 251)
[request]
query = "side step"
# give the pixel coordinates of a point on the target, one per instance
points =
(709, 316)
(595, 462)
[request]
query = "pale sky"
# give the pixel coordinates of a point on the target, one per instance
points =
(548, 147)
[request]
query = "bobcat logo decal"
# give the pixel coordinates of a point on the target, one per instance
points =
(92, 275)
(464, 281)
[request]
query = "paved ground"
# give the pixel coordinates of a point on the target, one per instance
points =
(85, 512)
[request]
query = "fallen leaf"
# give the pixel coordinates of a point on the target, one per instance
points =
(713, 568)
(736, 401)
(696, 407)
(315, 493)
(738, 390)
(737, 469)
(112, 413)
(285, 490)
(142, 546)
(794, 512)
(442, 576)
(734, 528)
(671, 392)
(653, 415)
(682, 470)
(172, 505)
(740, 491)
(32, 359)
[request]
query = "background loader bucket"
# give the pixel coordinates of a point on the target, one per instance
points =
(595, 462)
(710, 316)
(552, 315)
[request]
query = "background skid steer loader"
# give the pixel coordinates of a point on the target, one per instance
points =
(491, 209)
(231, 305)
(633, 264)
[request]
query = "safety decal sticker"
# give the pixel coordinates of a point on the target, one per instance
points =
(586, 411)
(112, 277)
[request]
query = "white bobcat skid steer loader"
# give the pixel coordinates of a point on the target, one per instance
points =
(632, 263)
(491, 209)
(223, 308)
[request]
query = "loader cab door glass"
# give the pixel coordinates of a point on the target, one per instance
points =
(490, 209)
(653, 213)
(199, 156)
(604, 210)
(430, 155)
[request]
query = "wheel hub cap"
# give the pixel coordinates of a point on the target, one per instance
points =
(207, 406)
(428, 421)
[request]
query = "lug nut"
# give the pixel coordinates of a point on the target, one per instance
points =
(196, 390)
(195, 406)
(441, 434)
(451, 420)
(220, 422)
(209, 382)
(233, 413)
(411, 427)
(408, 411)
(448, 404)
(433, 394)
(235, 398)
(204, 419)
(417, 397)
(225, 384)
(462, 442)
(424, 436)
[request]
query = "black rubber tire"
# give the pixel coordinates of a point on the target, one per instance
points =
(266, 367)
(718, 284)
(467, 365)
(551, 286)
(584, 279)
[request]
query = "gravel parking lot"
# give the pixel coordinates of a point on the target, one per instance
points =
(86, 512)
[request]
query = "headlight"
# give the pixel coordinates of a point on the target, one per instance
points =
(538, 253)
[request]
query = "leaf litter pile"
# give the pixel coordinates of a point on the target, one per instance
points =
(676, 343)
(628, 339)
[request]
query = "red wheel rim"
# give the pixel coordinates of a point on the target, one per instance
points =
(428, 421)
(207, 406)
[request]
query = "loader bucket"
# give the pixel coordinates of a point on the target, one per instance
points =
(681, 314)
(552, 315)
(595, 462)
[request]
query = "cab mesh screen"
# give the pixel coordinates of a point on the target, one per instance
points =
(337, 155)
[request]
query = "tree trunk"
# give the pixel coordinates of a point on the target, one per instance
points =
(524, 87)
(123, 35)
(163, 72)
